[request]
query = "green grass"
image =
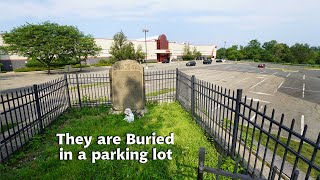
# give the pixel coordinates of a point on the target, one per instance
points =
(74, 88)
(162, 91)
(306, 149)
(28, 69)
(39, 159)
(5, 127)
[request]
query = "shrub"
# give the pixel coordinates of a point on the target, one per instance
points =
(28, 69)
(78, 66)
(104, 62)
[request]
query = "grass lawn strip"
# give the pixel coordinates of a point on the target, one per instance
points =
(40, 157)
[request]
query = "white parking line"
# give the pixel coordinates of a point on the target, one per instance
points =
(304, 76)
(278, 87)
(257, 84)
(261, 93)
(251, 119)
(302, 123)
(256, 100)
(240, 80)
(288, 75)
(303, 88)
(275, 73)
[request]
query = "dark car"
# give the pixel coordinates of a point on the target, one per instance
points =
(220, 60)
(166, 61)
(191, 63)
(261, 65)
(207, 61)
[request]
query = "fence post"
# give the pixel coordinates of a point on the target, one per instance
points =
(67, 86)
(193, 95)
(236, 122)
(177, 79)
(202, 153)
(38, 110)
(78, 88)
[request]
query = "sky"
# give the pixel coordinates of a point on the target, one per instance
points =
(200, 22)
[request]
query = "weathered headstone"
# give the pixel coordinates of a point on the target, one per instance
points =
(127, 85)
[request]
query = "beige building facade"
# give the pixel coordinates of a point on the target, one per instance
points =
(159, 49)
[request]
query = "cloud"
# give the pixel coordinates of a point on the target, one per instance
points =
(202, 11)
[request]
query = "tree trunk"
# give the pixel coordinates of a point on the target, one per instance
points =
(48, 70)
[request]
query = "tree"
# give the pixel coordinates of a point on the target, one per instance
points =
(84, 47)
(268, 53)
(46, 42)
(121, 49)
(139, 54)
(196, 53)
(253, 49)
(221, 53)
(232, 53)
(302, 53)
(187, 54)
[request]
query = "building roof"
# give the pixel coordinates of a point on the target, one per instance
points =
(148, 38)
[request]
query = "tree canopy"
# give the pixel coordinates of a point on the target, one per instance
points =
(272, 51)
(49, 42)
(122, 49)
(190, 55)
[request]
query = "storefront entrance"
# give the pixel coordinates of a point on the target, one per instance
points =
(163, 52)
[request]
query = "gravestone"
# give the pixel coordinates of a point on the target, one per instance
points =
(127, 85)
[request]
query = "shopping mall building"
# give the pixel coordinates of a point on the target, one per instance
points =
(159, 49)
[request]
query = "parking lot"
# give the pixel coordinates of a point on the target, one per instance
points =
(291, 90)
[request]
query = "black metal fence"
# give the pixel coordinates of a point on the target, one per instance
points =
(26, 112)
(261, 142)
(160, 85)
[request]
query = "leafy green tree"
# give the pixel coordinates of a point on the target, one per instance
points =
(122, 49)
(84, 47)
(267, 54)
(253, 50)
(232, 53)
(46, 42)
(221, 53)
(196, 53)
(302, 53)
(139, 53)
(187, 54)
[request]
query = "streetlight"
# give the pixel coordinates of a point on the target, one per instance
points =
(145, 42)
(225, 51)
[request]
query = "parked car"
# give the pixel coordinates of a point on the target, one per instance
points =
(207, 61)
(191, 63)
(220, 60)
(261, 65)
(166, 61)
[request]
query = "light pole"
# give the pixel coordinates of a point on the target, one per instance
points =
(225, 51)
(145, 42)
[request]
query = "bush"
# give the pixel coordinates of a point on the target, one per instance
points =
(188, 57)
(104, 62)
(312, 62)
(28, 69)
(78, 66)
(36, 63)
